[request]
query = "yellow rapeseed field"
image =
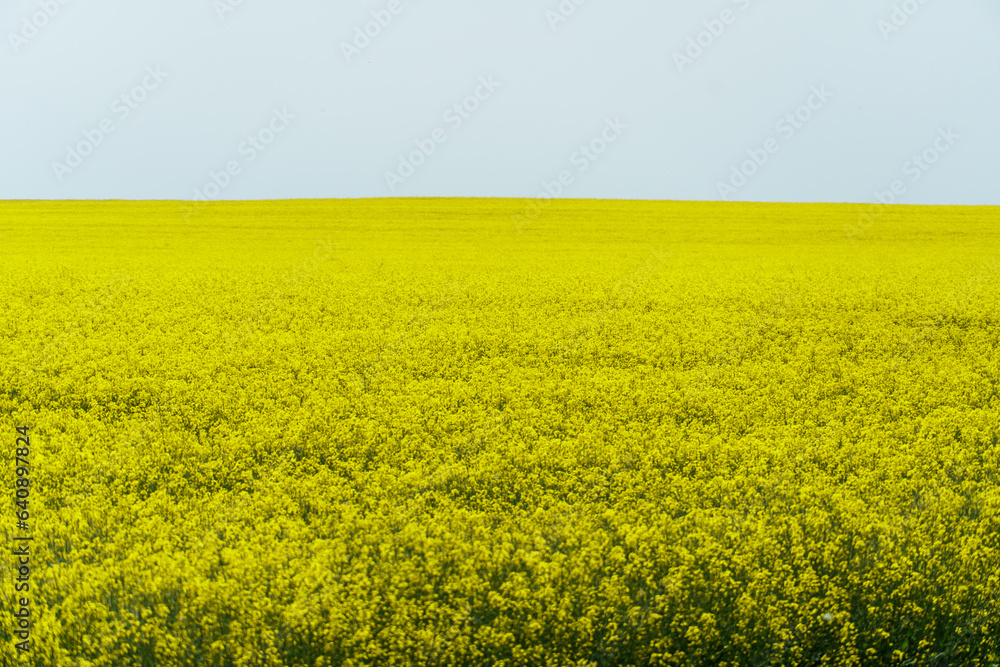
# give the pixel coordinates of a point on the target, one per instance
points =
(501, 432)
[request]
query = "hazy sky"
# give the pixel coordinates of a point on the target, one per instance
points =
(730, 99)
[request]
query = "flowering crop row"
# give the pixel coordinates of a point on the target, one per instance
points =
(406, 433)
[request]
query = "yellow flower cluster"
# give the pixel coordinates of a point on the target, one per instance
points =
(415, 432)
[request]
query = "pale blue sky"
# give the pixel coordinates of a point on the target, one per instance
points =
(911, 101)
